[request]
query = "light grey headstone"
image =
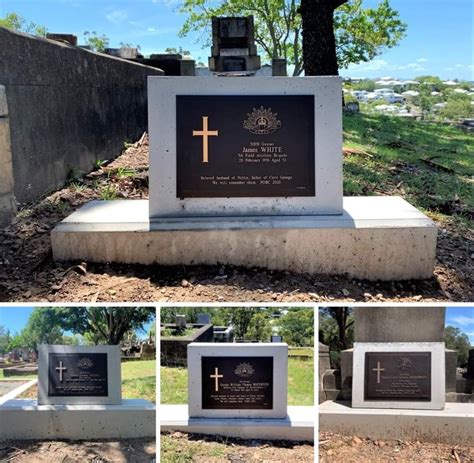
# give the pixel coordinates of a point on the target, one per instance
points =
(203, 319)
(79, 375)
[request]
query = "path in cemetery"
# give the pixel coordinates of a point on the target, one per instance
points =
(28, 273)
(8, 386)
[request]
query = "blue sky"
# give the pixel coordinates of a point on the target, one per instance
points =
(439, 37)
(15, 319)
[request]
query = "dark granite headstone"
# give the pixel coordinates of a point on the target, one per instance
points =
(244, 383)
(398, 376)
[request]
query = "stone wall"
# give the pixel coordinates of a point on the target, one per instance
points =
(67, 107)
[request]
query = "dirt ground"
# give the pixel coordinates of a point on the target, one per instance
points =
(334, 448)
(123, 451)
(28, 273)
(186, 448)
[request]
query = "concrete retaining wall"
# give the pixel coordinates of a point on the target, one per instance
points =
(67, 107)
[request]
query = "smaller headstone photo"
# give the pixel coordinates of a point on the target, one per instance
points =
(244, 380)
(79, 375)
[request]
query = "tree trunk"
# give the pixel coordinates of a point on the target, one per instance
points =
(319, 43)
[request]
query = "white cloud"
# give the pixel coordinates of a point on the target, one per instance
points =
(116, 16)
(463, 320)
(421, 60)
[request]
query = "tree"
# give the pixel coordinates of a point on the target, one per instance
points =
(19, 23)
(358, 34)
(259, 328)
(458, 106)
(457, 340)
(97, 42)
(109, 323)
(336, 326)
(241, 318)
(5, 339)
(43, 327)
(297, 327)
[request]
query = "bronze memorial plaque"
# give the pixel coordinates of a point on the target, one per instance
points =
(244, 383)
(245, 146)
(77, 375)
(395, 376)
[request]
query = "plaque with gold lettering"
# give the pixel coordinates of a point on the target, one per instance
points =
(81, 374)
(245, 146)
(396, 376)
(244, 383)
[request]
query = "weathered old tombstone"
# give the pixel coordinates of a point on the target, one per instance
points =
(240, 390)
(79, 397)
(233, 45)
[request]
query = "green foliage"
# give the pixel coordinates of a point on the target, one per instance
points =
(109, 324)
(19, 23)
(297, 326)
(100, 163)
(361, 34)
(457, 340)
(5, 339)
(108, 193)
(174, 51)
(96, 42)
(366, 84)
(43, 327)
(122, 172)
(458, 106)
(259, 328)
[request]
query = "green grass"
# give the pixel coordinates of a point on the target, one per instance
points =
(15, 378)
(398, 150)
(139, 380)
(174, 383)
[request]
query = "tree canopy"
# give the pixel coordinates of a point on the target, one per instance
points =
(19, 23)
(459, 341)
(360, 33)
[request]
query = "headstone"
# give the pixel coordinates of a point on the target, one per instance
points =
(399, 358)
(276, 338)
(237, 380)
(203, 319)
(233, 45)
(79, 375)
(470, 365)
(180, 321)
(228, 153)
(172, 64)
(279, 67)
(65, 38)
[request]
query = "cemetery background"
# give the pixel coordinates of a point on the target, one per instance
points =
(337, 381)
(76, 327)
(235, 325)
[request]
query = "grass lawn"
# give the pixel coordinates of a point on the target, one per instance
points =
(139, 380)
(431, 165)
(174, 383)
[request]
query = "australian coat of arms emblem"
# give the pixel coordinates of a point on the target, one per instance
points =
(84, 363)
(262, 121)
(244, 370)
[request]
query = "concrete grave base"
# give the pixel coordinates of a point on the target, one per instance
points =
(298, 426)
(453, 425)
(376, 238)
(28, 420)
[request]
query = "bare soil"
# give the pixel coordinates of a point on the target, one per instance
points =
(28, 273)
(123, 451)
(334, 448)
(196, 448)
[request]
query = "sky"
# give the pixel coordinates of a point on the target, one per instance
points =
(439, 37)
(15, 318)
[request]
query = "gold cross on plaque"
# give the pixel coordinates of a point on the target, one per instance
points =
(205, 133)
(60, 369)
(378, 370)
(216, 376)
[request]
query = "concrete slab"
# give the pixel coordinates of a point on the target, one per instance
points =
(16, 390)
(28, 420)
(376, 238)
(298, 426)
(453, 425)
